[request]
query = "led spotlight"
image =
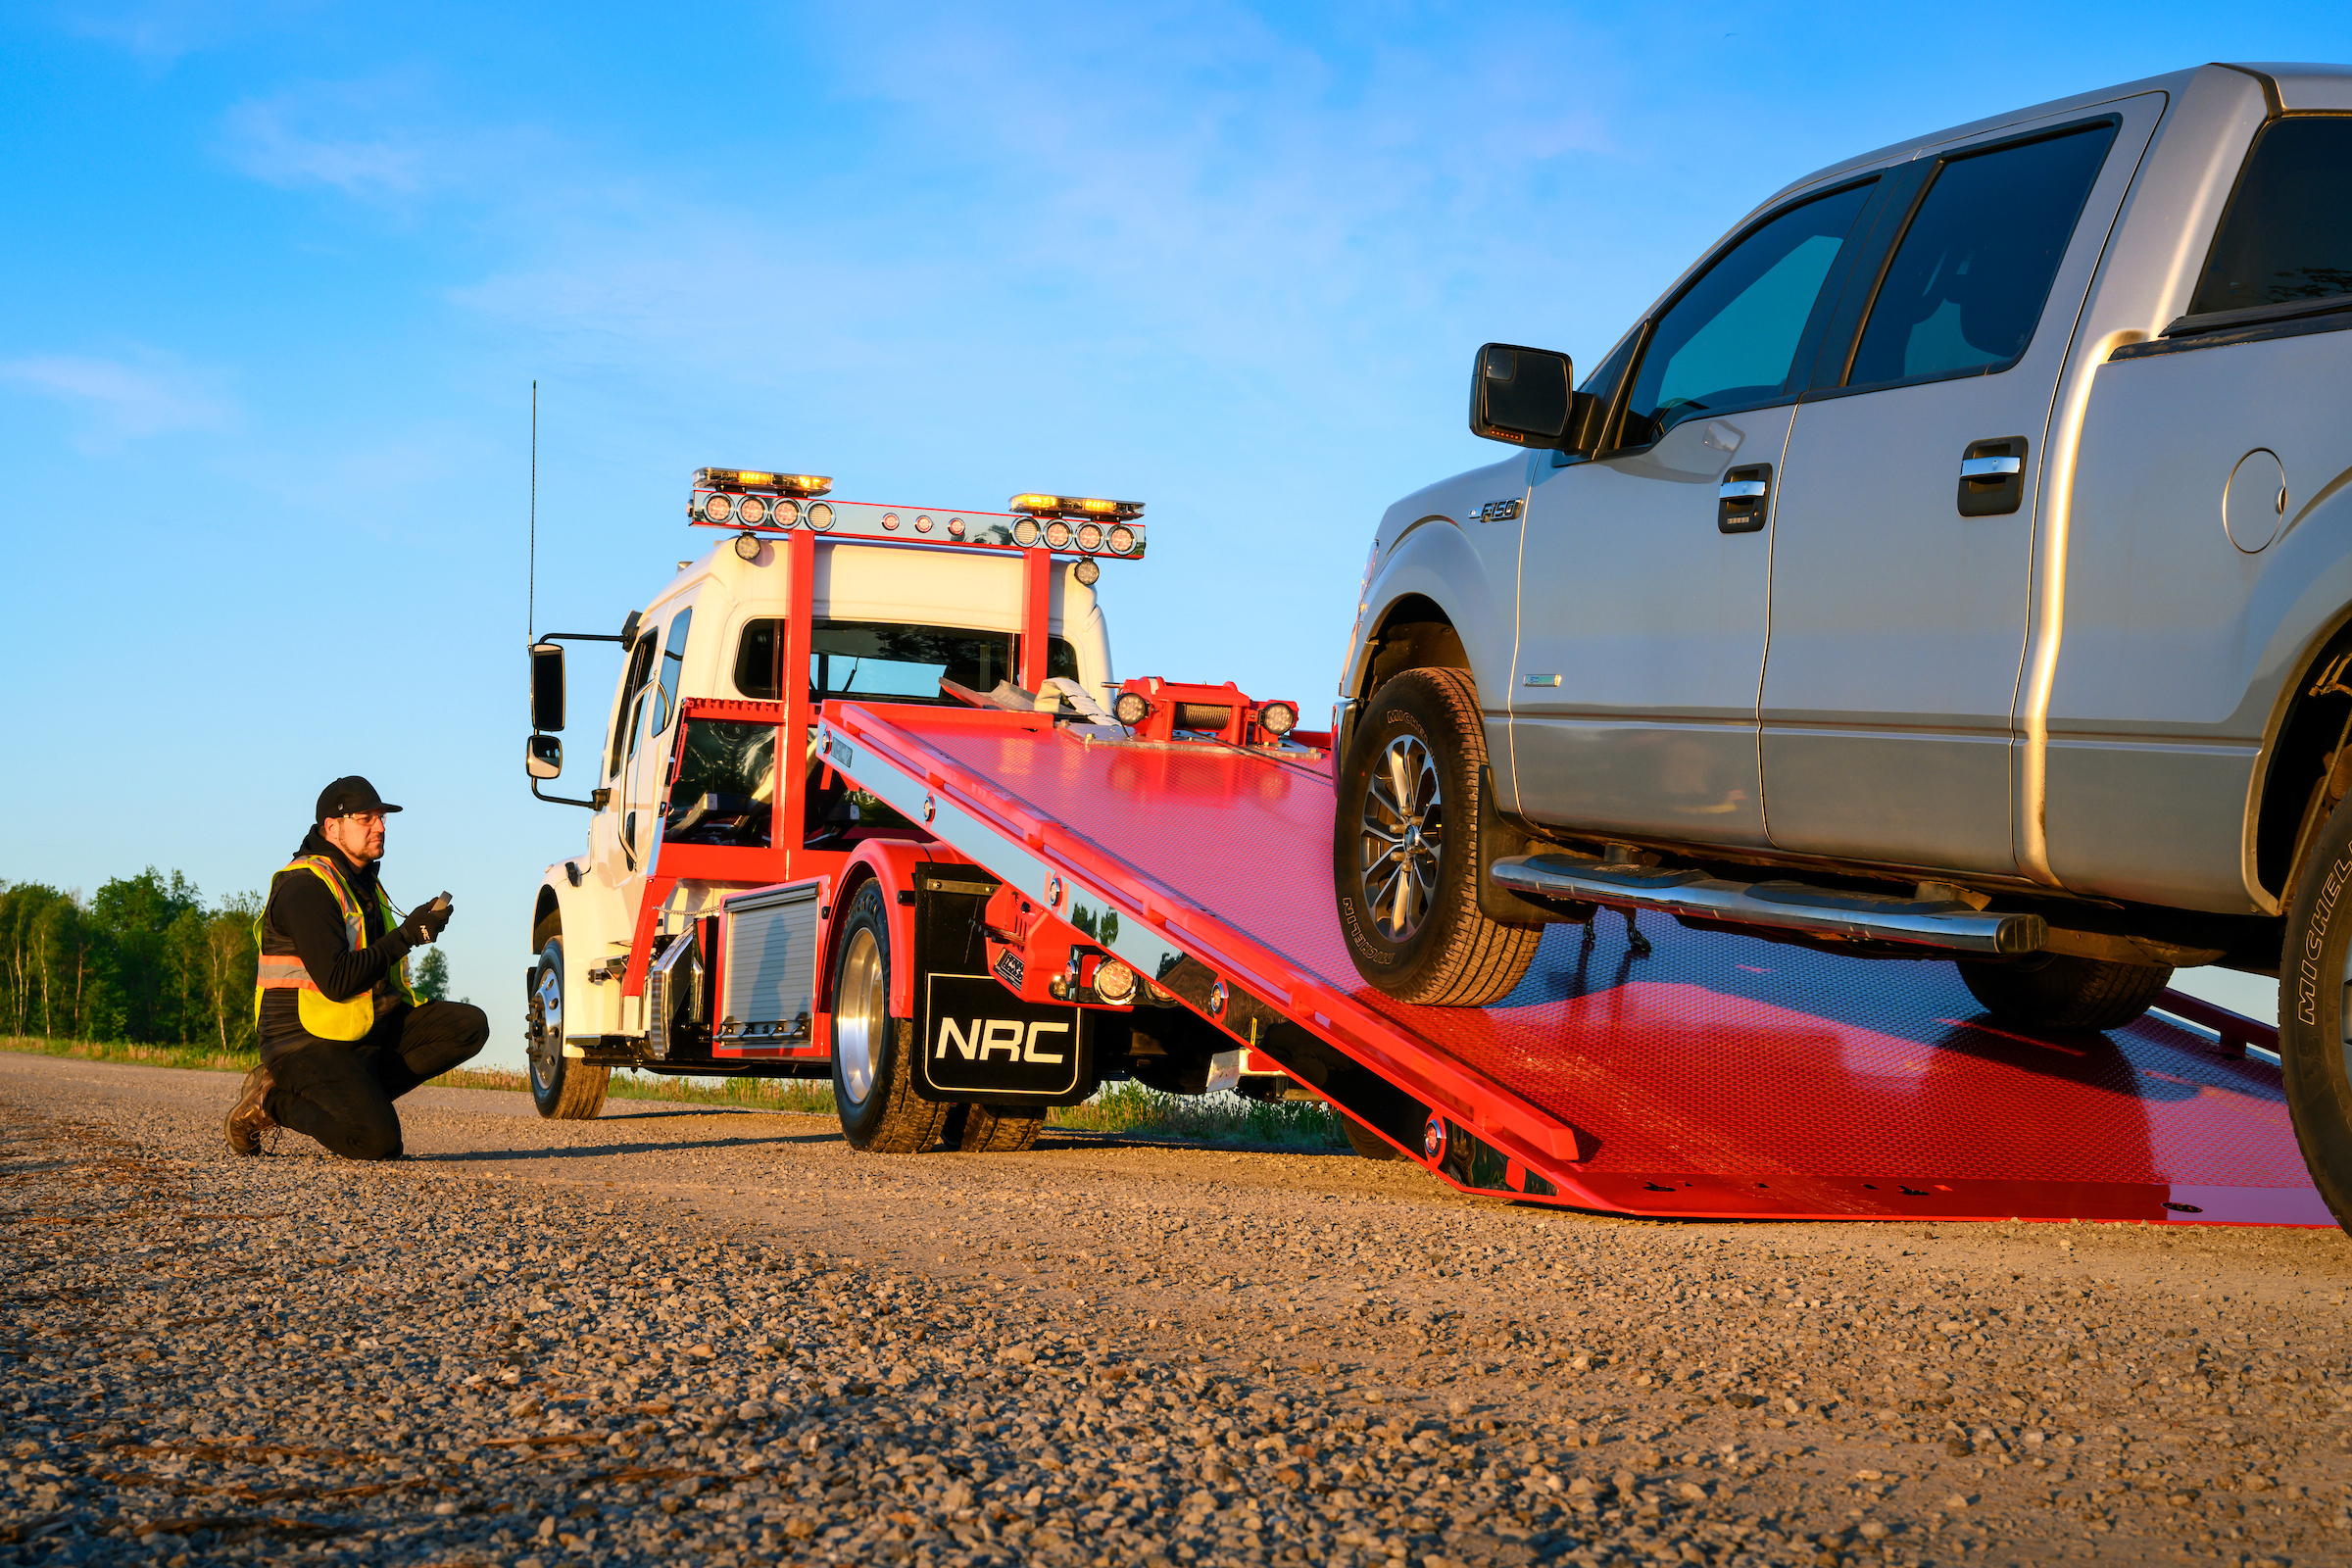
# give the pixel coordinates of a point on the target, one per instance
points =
(820, 515)
(747, 545)
(717, 509)
(1025, 532)
(1088, 572)
(1132, 709)
(788, 513)
(1089, 537)
(1122, 539)
(752, 511)
(1278, 719)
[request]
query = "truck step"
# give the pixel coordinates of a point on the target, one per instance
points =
(1949, 925)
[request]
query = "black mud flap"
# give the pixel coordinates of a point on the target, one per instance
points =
(984, 1045)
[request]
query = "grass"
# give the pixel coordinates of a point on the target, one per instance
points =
(1225, 1120)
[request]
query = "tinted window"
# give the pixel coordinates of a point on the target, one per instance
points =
(1731, 340)
(2289, 232)
(883, 658)
(1968, 281)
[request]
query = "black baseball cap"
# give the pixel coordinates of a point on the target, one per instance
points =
(348, 794)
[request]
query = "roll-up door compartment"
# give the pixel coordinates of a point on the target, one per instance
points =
(769, 982)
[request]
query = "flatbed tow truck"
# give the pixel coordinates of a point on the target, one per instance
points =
(1051, 893)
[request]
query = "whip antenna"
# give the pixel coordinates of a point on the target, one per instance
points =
(530, 632)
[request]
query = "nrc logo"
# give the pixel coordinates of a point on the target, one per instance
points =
(1015, 1040)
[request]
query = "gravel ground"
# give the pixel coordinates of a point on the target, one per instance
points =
(720, 1337)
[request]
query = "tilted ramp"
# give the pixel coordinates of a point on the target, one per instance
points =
(1718, 1076)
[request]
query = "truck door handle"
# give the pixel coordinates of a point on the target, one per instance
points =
(1992, 477)
(1742, 500)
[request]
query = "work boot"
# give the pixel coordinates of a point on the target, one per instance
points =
(248, 1119)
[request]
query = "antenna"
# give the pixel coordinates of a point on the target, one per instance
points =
(531, 609)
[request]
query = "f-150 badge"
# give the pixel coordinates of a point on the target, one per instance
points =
(1496, 512)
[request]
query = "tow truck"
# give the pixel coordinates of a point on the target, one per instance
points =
(744, 907)
(863, 816)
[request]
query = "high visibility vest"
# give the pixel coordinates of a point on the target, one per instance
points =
(283, 971)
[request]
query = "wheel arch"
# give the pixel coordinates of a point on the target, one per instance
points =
(2303, 733)
(1415, 632)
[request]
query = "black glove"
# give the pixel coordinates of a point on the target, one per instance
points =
(424, 922)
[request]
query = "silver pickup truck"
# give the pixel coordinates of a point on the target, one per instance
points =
(1956, 560)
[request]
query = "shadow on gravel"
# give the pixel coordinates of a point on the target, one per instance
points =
(476, 1157)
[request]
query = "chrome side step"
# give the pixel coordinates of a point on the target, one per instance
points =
(1952, 926)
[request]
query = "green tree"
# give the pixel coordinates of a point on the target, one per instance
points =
(432, 975)
(143, 987)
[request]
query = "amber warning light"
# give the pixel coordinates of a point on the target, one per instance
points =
(1044, 506)
(789, 484)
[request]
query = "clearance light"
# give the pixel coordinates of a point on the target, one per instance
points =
(1038, 505)
(1025, 532)
(791, 484)
(923, 525)
(747, 545)
(1122, 540)
(717, 509)
(751, 510)
(1132, 709)
(1057, 535)
(820, 517)
(890, 521)
(1088, 572)
(954, 527)
(788, 513)
(1114, 981)
(1089, 537)
(1278, 719)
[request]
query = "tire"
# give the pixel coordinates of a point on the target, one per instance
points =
(985, 1130)
(873, 1081)
(1365, 1142)
(2059, 991)
(564, 1090)
(2315, 967)
(1405, 849)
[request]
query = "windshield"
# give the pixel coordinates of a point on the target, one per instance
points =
(888, 659)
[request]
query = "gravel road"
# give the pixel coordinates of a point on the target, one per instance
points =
(718, 1336)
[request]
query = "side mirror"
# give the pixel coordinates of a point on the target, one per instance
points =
(547, 687)
(543, 757)
(1520, 395)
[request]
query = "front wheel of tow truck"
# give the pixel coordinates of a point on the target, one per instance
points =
(2315, 1027)
(562, 1090)
(2060, 991)
(873, 1081)
(984, 1130)
(1405, 849)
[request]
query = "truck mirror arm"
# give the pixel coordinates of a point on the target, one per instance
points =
(558, 800)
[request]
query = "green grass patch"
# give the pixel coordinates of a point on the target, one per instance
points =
(201, 1058)
(1219, 1118)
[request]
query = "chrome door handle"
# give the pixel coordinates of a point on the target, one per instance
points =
(1742, 500)
(1992, 477)
(1743, 489)
(1990, 468)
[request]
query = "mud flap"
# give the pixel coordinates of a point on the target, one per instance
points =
(984, 1045)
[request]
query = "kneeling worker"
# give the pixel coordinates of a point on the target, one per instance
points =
(342, 1036)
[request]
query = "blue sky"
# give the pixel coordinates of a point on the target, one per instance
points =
(279, 277)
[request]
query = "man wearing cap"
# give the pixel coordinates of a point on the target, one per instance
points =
(342, 1036)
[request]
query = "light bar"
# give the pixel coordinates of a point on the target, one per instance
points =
(872, 522)
(790, 484)
(1038, 505)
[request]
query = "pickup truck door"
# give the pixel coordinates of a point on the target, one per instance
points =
(1642, 589)
(1901, 584)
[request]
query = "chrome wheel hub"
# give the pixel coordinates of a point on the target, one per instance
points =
(861, 1011)
(544, 1040)
(1402, 837)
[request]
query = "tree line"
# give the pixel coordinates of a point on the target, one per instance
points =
(145, 958)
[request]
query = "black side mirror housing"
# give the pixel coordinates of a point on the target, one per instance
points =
(547, 687)
(1521, 394)
(543, 757)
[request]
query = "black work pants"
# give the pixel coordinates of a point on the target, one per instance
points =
(340, 1092)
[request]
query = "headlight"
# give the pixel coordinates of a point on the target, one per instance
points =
(1089, 537)
(1088, 573)
(820, 515)
(1057, 535)
(1132, 709)
(1114, 982)
(1122, 539)
(1278, 719)
(718, 508)
(1024, 532)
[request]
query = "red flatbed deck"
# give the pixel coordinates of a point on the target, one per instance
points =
(1720, 1076)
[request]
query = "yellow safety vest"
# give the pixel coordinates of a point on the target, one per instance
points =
(283, 971)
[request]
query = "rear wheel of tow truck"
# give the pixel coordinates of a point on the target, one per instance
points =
(562, 1090)
(1405, 849)
(2314, 1026)
(1367, 1143)
(2060, 991)
(873, 1081)
(984, 1130)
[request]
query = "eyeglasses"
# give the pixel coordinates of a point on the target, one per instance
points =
(365, 818)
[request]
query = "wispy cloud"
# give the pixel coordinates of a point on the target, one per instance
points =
(122, 400)
(384, 140)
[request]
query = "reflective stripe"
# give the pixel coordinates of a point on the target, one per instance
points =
(349, 1019)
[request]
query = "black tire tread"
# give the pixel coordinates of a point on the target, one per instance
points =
(579, 1088)
(2310, 1050)
(2067, 992)
(909, 1123)
(1367, 1143)
(985, 1130)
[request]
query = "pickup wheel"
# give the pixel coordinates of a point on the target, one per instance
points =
(1405, 849)
(873, 1080)
(562, 1090)
(985, 1130)
(2059, 991)
(2315, 1030)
